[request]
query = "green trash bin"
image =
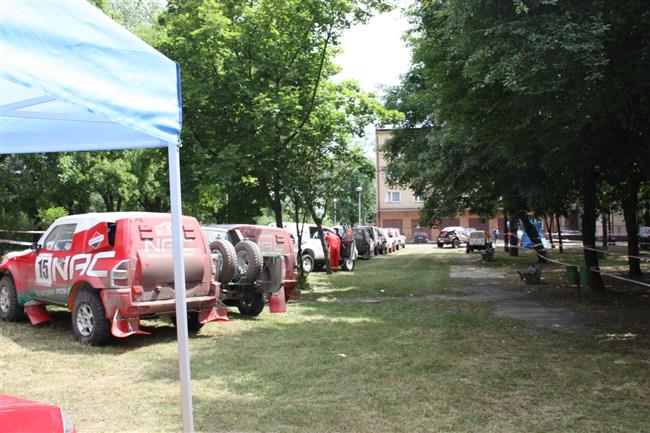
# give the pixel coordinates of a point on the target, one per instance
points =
(584, 276)
(572, 274)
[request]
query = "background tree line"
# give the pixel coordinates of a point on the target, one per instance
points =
(528, 106)
(264, 123)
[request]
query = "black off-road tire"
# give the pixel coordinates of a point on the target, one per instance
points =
(440, 245)
(193, 324)
(89, 323)
(249, 261)
(348, 264)
(307, 263)
(10, 310)
(228, 255)
(252, 304)
(455, 243)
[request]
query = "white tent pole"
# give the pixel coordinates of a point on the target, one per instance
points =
(179, 285)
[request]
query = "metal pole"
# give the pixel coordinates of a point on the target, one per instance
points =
(359, 208)
(179, 287)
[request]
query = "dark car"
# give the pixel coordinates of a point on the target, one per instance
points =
(365, 243)
(420, 238)
(644, 238)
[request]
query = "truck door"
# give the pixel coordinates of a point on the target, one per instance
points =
(52, 267)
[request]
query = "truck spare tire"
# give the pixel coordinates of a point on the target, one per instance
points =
(225, 256)
(249, 261)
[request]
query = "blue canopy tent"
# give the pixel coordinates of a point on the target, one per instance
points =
(71, 79)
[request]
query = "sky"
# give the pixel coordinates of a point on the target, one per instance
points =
(374, 54)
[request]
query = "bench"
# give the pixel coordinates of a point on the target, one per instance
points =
(532, 274)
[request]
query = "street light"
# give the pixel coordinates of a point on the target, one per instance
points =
(358, 190)
(335, 200)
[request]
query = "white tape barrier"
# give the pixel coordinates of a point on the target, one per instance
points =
(618, 277)
(26, 232)
(591, 248)
(7, 241)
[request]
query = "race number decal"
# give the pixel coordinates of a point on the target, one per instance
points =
(43, 268)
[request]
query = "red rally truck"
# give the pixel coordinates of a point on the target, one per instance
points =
(110, 270)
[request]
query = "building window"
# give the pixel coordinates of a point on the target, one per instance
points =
(393, 197)
(418, 199)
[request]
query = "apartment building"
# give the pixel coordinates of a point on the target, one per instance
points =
(400, 208)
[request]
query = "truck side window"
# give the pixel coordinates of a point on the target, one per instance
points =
(60, 238)
(111, 228)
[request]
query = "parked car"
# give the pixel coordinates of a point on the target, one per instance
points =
(18, 415)
(391, 241)
(109, 270)
(478, 240)
(313, 256)
(420, 238)
(568, 235)
(265, 264)
(364, 241)
(375, 234)
(400, 239)
(644, 238)
(454, 236)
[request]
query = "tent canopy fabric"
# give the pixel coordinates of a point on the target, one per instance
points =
(73, 79)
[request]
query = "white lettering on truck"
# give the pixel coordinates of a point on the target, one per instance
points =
(49, 269)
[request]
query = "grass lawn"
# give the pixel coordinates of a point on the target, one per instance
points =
(335, 363)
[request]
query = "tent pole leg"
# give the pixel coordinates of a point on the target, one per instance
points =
(179, 285)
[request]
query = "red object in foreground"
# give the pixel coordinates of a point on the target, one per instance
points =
(18, 415)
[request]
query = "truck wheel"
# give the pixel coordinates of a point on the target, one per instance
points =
(455, 243)
(252, 304)
(193, 324)
(348, 264)
(226, 256)
(249, 261)
(307, 263)
(89, 322)
(440, 245)
(10, 310)
(467, 249)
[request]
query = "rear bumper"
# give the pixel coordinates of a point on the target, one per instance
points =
(120, 300)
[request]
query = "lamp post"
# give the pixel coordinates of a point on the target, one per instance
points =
(358, 190)
(335, 200)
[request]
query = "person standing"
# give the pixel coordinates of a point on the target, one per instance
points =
(334, 243)
(495, 237)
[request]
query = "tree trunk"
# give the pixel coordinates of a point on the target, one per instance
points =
(296, 212)
(533, 235)
(548, 229)
(559, 232)
(589, 229)
(514, 240)
(321, 235)
(277, 203)
(630, 208)
(603, 216)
